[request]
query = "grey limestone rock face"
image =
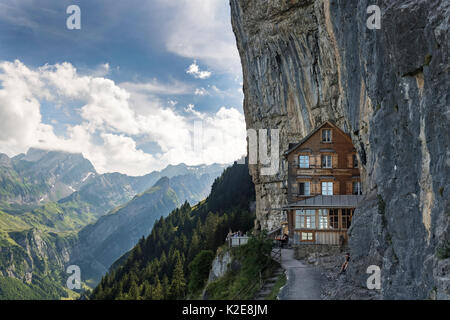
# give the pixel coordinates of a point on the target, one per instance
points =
(307, 61)
(220, 266)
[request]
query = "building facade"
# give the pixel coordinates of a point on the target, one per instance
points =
(324, 186)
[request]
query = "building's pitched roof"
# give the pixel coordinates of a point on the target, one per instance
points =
(336, 201)
(293, 147)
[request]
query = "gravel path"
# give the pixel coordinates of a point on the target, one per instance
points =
(303, 281)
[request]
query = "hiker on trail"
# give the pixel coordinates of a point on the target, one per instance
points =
(284, 239)
(345, 264)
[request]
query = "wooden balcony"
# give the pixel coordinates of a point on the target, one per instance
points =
(322, 171)
(313, 170)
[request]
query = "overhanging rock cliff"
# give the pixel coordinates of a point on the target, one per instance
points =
(306, 61)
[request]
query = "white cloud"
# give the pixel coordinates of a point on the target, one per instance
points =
(195, 71)
(19, 104)
(190, 109)
(113, 117)
(154, 86)
(201, 92)
(202, 30)
(119, 151)
(101, 71)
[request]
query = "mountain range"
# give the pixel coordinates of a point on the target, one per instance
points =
(56, 210)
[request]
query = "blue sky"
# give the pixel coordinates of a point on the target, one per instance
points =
(129, 90)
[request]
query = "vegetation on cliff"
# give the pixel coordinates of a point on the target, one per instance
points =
(254, 263)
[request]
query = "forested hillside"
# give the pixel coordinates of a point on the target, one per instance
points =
(165, 264)
(102, 243)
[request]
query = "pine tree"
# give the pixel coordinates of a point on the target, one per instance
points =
(211, 224)
(146, 291)
(157, 292)
(133, 294)
(166, 287)
(98, 292)
(163, 263)
(194, 246)
(178, 285)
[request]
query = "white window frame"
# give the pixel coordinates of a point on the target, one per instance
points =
(307, 236)
(323, 219)
(358, 188)
(303, 161)
(305, 219)
(327, 188)
(310, 221)
(328, 164)
(328, 136)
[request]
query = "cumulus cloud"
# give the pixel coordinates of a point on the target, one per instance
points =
(195, 71)
(202, 30)
(112, 120)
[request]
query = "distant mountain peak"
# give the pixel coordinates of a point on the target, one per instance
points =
(36, 154)
(163, 182)
(5, 161)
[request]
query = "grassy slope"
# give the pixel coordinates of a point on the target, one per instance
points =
(11, 185)
(15, 232)
(58, 224)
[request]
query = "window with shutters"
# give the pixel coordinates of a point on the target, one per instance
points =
(304, 188)
(303, 161)
(327, 161)
(327, 188)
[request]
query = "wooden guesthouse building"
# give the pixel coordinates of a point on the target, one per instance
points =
(324, 186)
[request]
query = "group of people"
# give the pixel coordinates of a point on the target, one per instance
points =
(234, 234)
(283, 240)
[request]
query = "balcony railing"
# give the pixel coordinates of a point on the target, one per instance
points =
(237, 241)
